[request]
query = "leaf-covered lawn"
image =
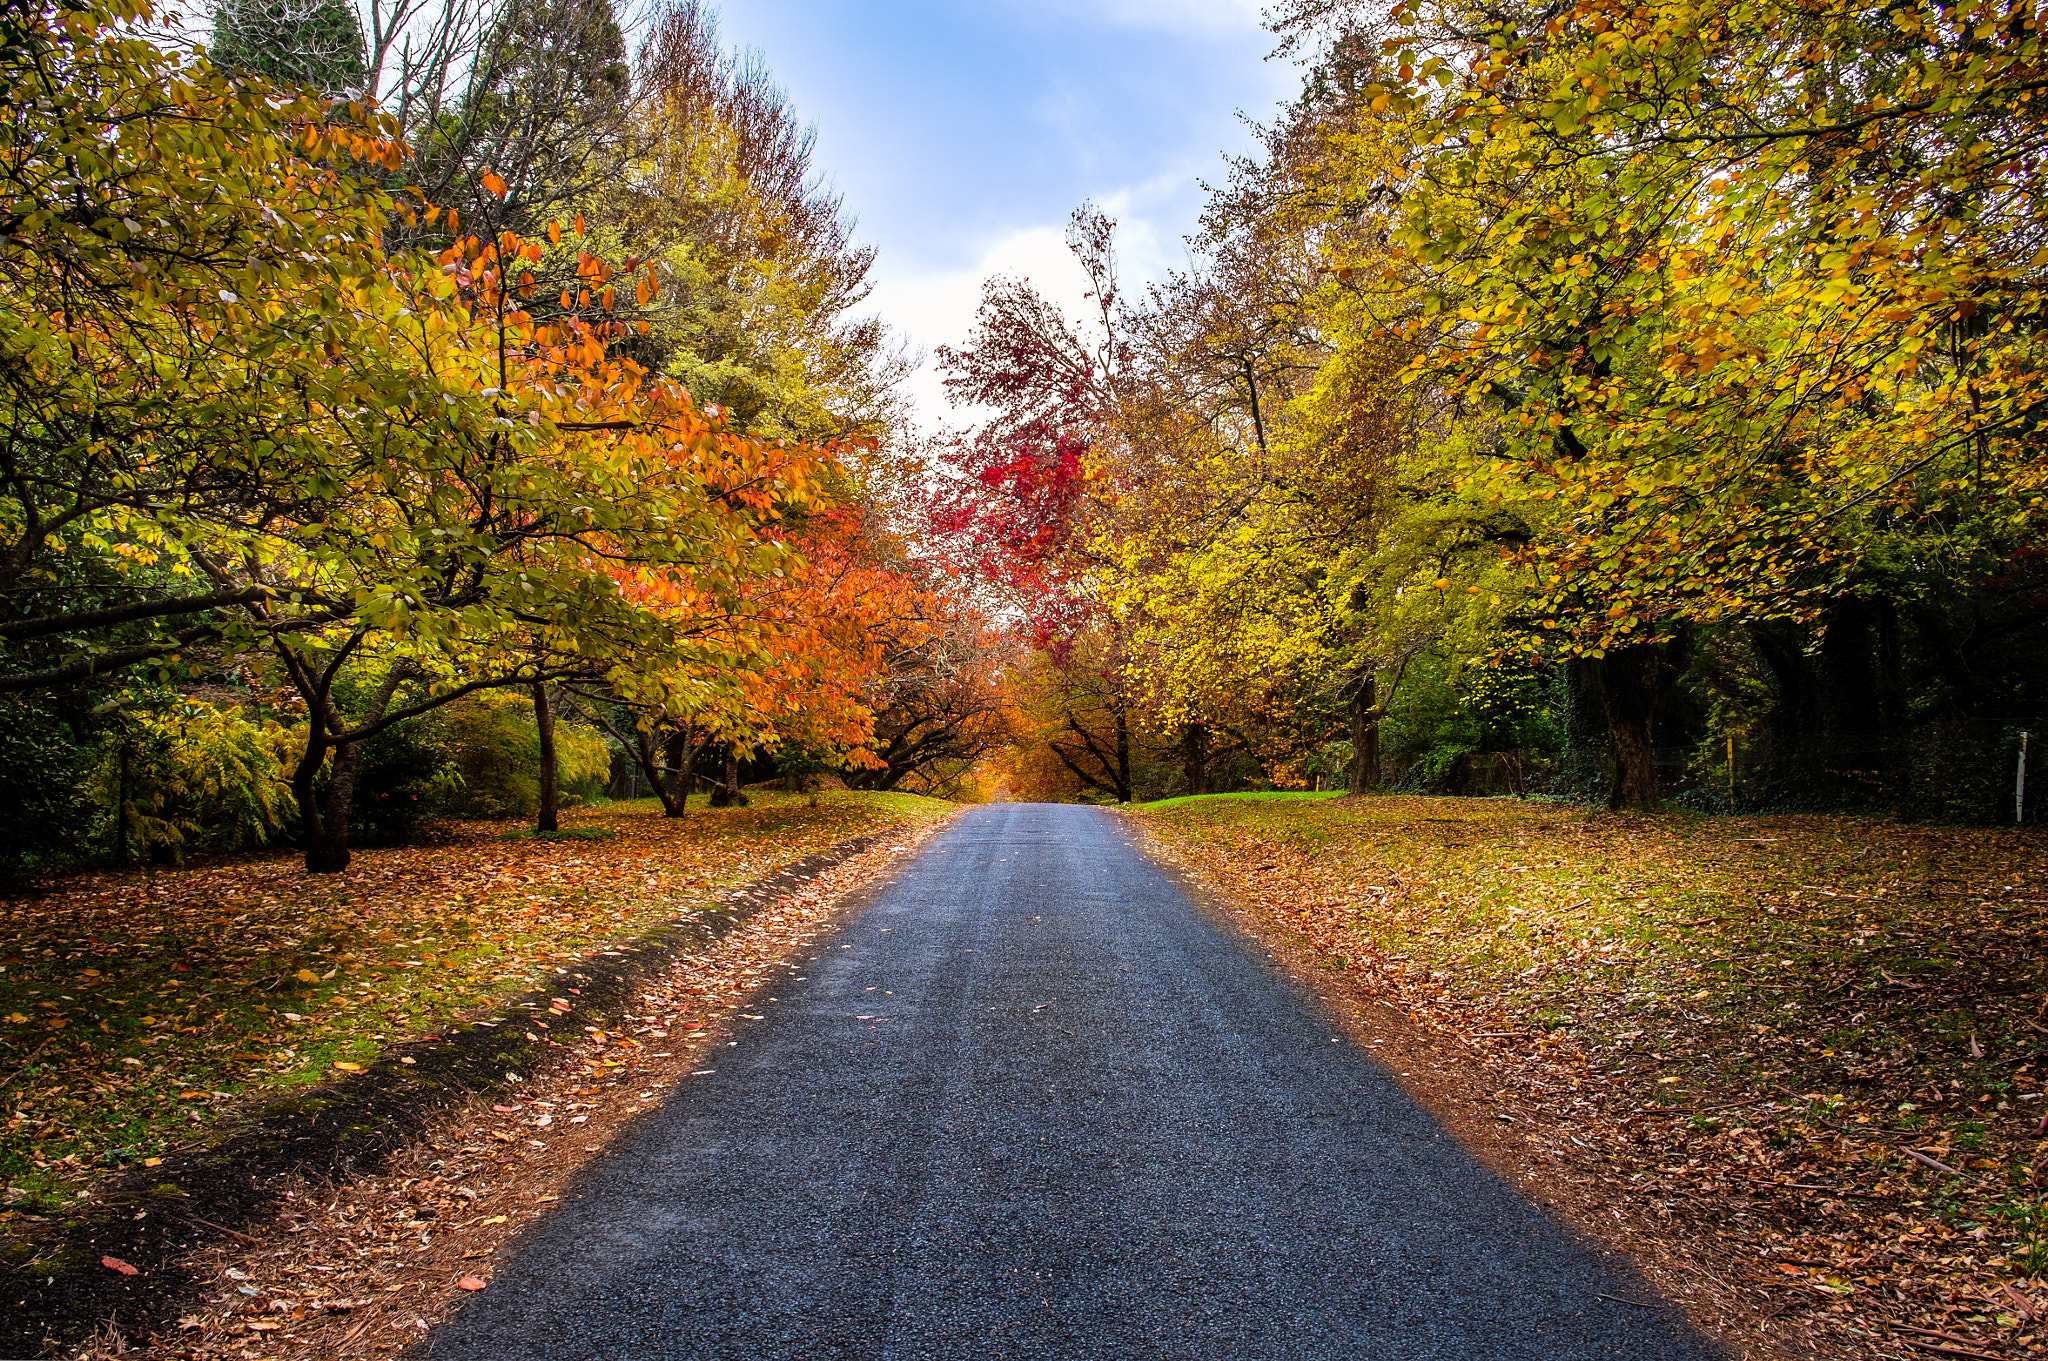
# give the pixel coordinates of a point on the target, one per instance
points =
(1753, 1023)
(135, 1004)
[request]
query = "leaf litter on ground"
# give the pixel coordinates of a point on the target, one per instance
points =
(1799, 1058)
(136, 1007)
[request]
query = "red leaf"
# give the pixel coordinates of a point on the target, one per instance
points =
(116, 1264)
(469, 1283)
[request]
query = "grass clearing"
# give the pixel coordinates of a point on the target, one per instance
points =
(1749, 1024)
(136, 1004)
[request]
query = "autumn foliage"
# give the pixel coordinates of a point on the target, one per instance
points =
(290, 427)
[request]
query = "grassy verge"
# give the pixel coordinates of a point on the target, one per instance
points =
(134, 1005)
(1747, 1027)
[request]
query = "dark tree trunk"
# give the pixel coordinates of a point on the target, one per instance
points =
(338, 802)
(550, 779)
(1631, 682)
(1194, 757)
(324, 814)
(121, 812)
(660, 779)
(1850, 695)
(680, 752)
(727, 793)
(1589, 764)
(1112, 764)
(1365, 772)
(1795, 720)
(1123, 756)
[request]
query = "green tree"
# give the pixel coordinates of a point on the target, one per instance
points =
(315, 44)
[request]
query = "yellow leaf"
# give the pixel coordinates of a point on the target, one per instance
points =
(308, 976)
(348, 1067)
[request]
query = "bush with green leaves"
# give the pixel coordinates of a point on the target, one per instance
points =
(175, 774)
(496, 747)
(42, 770)
(408, 775)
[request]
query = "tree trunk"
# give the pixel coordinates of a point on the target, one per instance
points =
(727, 794)
(550, 780)
(1123, 756)
(121, 812)
(680, 751)
(1194, 757)
(324, 814)
(1365, 770)
(330, 855)
(645, 757)
(1631, 680)
(1588, 757)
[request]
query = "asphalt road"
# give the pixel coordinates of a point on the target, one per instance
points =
(1033, 1103)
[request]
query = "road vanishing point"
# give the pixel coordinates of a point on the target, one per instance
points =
(1034, 1102)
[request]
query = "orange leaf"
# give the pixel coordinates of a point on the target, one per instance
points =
(495, 183)
(555, 232)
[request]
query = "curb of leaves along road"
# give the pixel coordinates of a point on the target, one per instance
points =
(123, 1268)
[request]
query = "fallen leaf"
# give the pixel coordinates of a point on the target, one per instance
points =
(116, 1264)
(469, 1283)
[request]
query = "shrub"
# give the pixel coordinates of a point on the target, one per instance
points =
(496, 749)
(42, 770)
(177, 774)
(409, 774)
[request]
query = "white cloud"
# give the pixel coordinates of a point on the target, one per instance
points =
(1196, 18)
(934, 309)
(937, 308)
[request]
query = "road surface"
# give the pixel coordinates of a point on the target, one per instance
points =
(1033, 1103)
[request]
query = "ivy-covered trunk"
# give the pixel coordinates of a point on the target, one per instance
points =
(1365, 770)
(1194, 757)
(1631, 682)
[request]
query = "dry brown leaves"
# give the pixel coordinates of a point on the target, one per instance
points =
(1793, 1065)
(366, 1268)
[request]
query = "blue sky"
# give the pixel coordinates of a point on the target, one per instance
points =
(963, 134)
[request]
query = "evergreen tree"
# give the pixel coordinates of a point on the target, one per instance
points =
(314, 43)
